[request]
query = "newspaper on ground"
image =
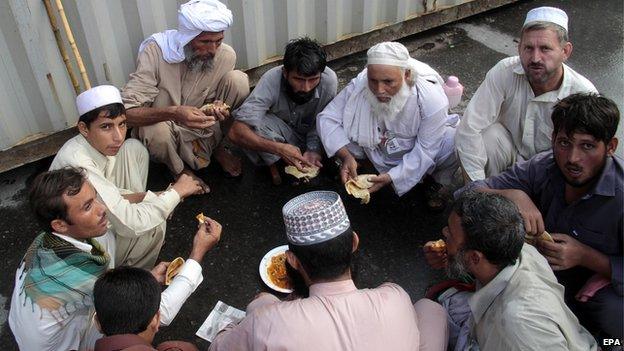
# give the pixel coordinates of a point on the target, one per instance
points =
(220, 317)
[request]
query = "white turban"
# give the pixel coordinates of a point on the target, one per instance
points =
(194, 17)
(391, 53)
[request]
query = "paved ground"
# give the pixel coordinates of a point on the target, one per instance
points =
(392, 230)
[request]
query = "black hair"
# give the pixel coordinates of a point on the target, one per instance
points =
(46, 194)
(328, 259)
(111, 111)
(588, 113)
(126, 300)
(304, 56)
(492, 225)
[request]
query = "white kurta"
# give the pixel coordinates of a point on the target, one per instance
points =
(506, 97)
(127, 220)
(421, 130)
(37, 329)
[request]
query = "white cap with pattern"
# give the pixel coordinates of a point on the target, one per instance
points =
(314, 217)
(95, 97)
(547, 14)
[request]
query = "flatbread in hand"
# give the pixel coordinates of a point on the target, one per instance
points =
(359, 186)
(533, 239)
(307, 174)
(173, 269)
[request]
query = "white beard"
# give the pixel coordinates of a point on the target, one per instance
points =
(388, 111)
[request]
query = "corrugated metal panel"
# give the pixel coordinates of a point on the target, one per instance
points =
(36, 94)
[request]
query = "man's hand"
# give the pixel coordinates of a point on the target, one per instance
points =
(436, 259)
(313, 158)
(566, 252)
(193, 117)
(219, 110)
(348, 169)
(186, 186)
(533, 221)
(205, 239)
(379, 181)
(292, 156)
(159, 272)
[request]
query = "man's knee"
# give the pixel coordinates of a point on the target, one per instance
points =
(135, 150)
(156, 136)
(236, 132)
(236, 84)
(499, 148)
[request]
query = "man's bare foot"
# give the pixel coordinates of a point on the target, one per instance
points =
(190, 173)
(230, 163)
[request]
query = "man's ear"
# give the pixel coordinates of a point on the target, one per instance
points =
(83, 128)
(356, 242)
(293, 260)
(155, 322)
(97, 323)
(612, 146)
(474, 257)
(408, 74)
(567, 50)
(59, 226)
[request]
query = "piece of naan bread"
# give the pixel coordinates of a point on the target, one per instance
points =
(201, 218)
(533, 239)
(359, 186)
(308, 172)
(207, 108)
(173, 269)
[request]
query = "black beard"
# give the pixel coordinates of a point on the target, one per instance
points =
(297, 98)
(594, 179)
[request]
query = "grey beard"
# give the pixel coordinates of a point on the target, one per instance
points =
(456, 267)
(388, 111)
(196, 63)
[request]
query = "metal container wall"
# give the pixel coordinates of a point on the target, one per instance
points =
(36, 94)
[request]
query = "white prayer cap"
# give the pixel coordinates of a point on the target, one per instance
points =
(547, 14)
(204, 16)
(97, 97)
(314, 217)
(389, 53)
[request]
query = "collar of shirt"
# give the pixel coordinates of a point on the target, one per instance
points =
(605, 186)
(332, 288)
(105, 163)
(120, 342)
(551, 96)
(485, 295)
(77, 243)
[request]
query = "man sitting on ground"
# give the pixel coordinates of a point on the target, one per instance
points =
(576, 193)
(178, 72)
(52, 304)
(337, 315)
(508, 117)
(278, 119)
(395, 114)
(518, 304)
(126, 301)
(118, 168)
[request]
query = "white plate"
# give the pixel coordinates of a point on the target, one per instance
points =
(264, 264)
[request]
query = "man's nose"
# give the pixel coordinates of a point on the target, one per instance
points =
(118, 134)
(575, 155)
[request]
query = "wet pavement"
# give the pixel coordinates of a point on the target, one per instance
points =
(392, 230)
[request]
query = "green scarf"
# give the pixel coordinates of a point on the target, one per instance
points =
(58, 274)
